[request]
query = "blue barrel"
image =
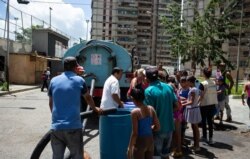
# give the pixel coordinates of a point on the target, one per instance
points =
(115, 130)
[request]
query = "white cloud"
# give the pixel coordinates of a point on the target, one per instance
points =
(65, 17)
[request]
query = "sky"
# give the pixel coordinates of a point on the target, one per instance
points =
(69, 18)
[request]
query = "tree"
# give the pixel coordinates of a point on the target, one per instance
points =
(26, 35)
(203, 36)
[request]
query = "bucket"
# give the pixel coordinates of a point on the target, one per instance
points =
(115, 130)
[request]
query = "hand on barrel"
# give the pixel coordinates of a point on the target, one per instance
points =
(98, 110)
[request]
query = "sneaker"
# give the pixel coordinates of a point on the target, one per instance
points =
(210, 142)
(177, 154)
(217, 118)
(229, 119)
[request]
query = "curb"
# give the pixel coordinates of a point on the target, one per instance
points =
(236, 96)
(18, 90)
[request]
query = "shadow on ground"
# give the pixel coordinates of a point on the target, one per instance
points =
(204, 152)
(224, 127)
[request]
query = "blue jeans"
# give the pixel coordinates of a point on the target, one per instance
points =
(162, 144)
(72, 139)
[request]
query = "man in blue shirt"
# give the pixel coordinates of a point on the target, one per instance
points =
(65, 100)
(162, 97)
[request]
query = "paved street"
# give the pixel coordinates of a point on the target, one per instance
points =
(25, 118)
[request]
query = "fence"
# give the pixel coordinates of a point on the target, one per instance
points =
(20, 24)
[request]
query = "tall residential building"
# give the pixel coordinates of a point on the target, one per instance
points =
(231, 47)
(135, 25)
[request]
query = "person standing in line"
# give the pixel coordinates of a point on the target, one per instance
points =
(208, 100)
(183, 94)
(246, 89)
(162, 97)
(144, 123)
(65, 93)
(221, 88)
(178, 116)
(111, 90)
(139, 81)
(192, 113)
(228, 80)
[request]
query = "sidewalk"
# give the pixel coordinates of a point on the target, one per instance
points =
(13, 88)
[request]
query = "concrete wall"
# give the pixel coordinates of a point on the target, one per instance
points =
(14, 47)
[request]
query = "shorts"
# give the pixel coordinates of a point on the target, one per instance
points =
(221, 105)
(162, 143)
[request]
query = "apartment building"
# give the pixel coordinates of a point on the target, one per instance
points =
(231, 47)
(135, 25)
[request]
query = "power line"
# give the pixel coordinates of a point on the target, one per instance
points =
(80, 4)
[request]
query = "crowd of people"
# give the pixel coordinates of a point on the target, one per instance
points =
(177, 100)
(165, 104)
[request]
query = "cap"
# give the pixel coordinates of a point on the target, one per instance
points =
(152, 73)
(80, 69)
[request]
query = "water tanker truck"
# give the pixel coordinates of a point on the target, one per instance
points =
(99, 57)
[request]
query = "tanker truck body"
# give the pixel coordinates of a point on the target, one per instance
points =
(98, 59)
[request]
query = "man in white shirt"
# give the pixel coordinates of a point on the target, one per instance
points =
(48, 73)
(111, 90)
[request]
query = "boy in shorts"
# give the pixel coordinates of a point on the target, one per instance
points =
(221, 96)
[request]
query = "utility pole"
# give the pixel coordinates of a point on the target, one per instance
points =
(16, 19)
(179, 56)
(50, 9)
(87, 21)
(8, 47)
(239, 45)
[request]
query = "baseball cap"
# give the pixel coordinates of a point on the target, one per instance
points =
(152, 73)
(80, 69)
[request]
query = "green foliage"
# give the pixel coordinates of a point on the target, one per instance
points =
(26, 35)
(240, 88)
(202, 37)
(4, 86)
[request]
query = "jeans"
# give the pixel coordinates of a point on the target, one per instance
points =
(227, 106)
(162, 144)
(207, 113)
(72, 139)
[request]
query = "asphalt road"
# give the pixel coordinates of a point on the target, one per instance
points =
(25, 118)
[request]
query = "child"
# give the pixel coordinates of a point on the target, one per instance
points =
(176, 142)
(221, 90)
(192, 113)
(144, 122)
(183, 94)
